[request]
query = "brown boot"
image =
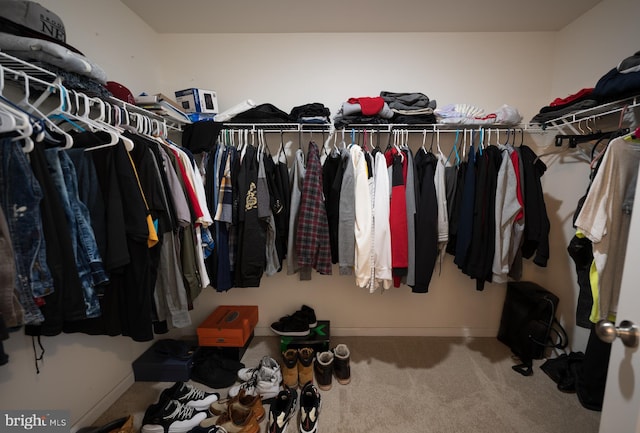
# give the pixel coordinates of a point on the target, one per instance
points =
(305, 365)
(289, 368)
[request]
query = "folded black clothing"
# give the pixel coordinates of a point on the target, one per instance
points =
(263, 113)
(201, 136)
(414, 119)
(344, 121)
(542, 118)
(314, 109)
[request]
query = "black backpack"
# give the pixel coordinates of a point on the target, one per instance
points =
(528, 325)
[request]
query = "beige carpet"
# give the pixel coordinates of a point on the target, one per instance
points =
(421, 385)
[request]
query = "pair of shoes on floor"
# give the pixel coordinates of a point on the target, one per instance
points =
(297, 366)
(263, 380)
(331, 363)
(283, 409)
(179, 409)
(298, 324)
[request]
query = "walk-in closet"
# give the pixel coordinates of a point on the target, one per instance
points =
(506, 66)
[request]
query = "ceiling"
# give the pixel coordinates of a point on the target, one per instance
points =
(338, 16)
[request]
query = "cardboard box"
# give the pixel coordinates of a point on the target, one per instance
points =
(197, 100)
(228, 326)
(318, 339)
(153, 366)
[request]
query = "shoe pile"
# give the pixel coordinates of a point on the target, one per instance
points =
(179, 409)
(298, 324)
(334, 362)
(263, 380)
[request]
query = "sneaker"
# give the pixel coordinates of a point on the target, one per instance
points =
(252, 402)
(267, 366)
(341, 367)
(264, 384)
(282, 410)
(310, 404)
(306, 314)
(305, 365)
(323, 368)
(291, 326)
(190, 396)
(289, 368)
(170, 416)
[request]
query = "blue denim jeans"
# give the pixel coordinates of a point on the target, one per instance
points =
(86, 253)
(20, 197)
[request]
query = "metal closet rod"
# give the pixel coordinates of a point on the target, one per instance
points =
(386, 128)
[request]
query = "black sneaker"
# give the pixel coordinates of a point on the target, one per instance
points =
(190, 396)
(170, 416)
(306, 314)
(310, 404)
(282, 410)
(291, 326)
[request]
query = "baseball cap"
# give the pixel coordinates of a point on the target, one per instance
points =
(31, 19)
(121, 92)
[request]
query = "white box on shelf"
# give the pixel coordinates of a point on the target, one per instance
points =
(197, 100)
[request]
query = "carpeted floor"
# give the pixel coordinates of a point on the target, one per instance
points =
(421, 385)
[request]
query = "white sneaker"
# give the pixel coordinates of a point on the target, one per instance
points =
(265, 383)
(267, 364)
(171, 416)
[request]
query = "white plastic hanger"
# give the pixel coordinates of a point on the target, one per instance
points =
(30, 108)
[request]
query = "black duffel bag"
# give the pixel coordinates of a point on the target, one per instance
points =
(528, 325)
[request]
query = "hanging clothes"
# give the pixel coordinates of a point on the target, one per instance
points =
(382, 261)
(347, 216)
(67, 302)
(312, 237)
(10, 307)
(536, 229)
(250, 258)
(481, 250)
(426, 220)
(332, 174)
(411, 199)
(363, 229)
(398, 214)
(507, 209)
(465, 220)
(20, 196)
(297, 180)
(605, 218)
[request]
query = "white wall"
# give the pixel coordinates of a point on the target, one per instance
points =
(525, 70)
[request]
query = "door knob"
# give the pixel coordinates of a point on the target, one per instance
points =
(627, 332)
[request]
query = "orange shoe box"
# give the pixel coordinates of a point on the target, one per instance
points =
(228, 326)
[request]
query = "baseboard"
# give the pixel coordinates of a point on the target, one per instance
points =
(400, 332)
(105, 403)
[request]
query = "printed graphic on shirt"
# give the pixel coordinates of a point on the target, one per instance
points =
(252, 198)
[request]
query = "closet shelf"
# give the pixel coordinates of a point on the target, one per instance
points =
(569, 120)
(14, 64)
